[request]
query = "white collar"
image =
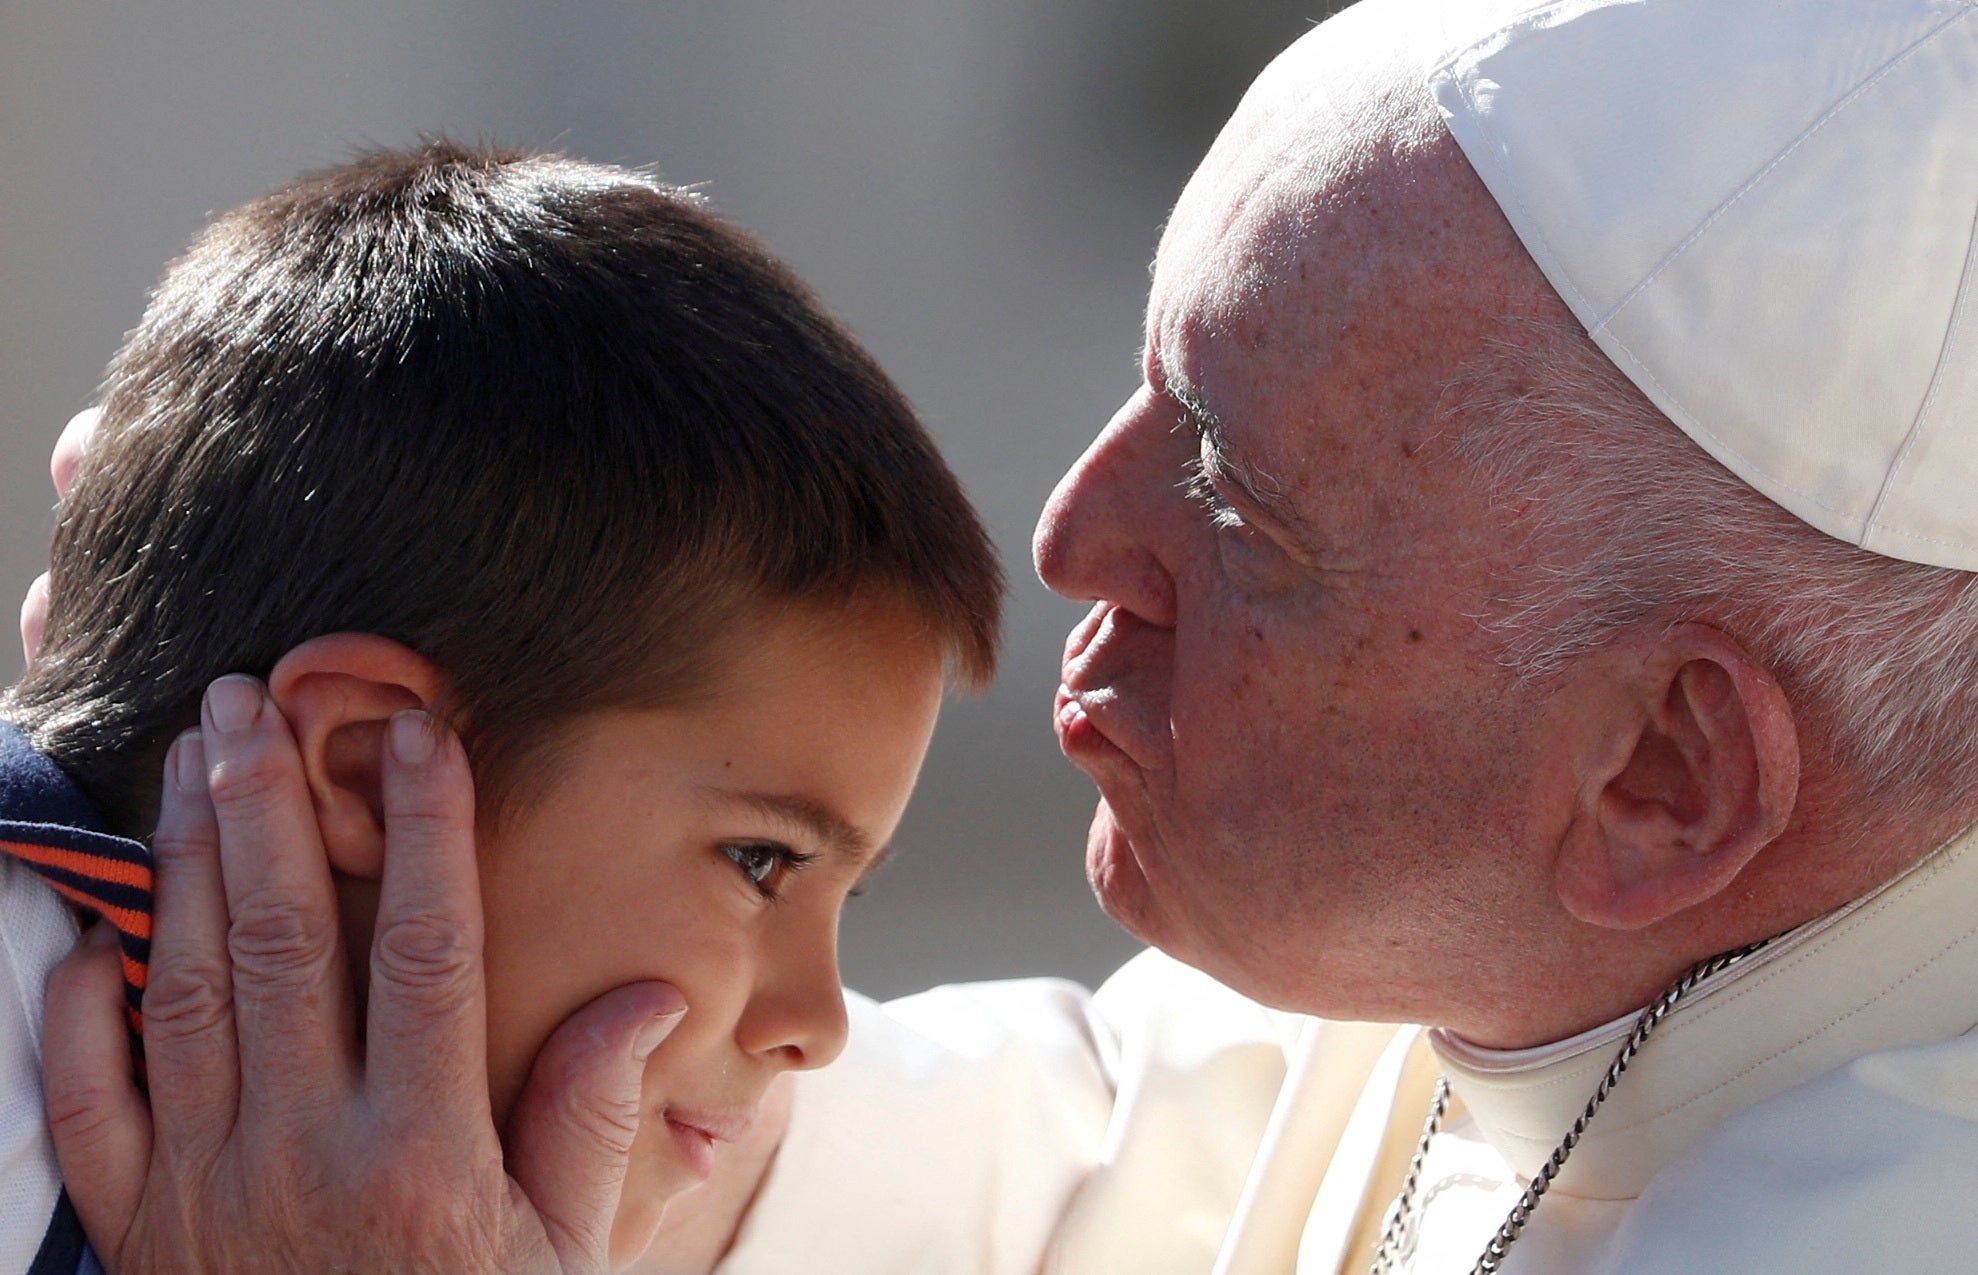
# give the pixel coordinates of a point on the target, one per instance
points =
(1813, 1000)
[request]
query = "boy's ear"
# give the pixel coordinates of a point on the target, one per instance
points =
(1693, 771)
(338, 692)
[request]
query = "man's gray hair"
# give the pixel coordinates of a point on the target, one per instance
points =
(1632, 523)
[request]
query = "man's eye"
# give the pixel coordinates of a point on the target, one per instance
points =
(765, 863)
(1196, 486)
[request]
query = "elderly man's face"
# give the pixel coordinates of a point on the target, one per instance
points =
(1317, 783)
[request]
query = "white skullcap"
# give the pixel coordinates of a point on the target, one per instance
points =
(1764, 212)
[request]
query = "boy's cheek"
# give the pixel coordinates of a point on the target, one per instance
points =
(521, 1018)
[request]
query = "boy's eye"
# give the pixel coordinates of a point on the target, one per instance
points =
(765, 863)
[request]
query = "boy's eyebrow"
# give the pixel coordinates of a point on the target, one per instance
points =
(820, 823)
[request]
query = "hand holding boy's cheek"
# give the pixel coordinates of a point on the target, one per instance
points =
(267, 1141)
(62, 466)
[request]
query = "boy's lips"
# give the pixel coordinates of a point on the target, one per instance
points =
(720, 1126)
(694, 1133)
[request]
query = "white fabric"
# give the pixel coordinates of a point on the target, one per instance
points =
(968, 1129)
(1764, 213)
(36, 932)
(1816, 1111)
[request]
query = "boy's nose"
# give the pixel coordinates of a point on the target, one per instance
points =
(796, 1016)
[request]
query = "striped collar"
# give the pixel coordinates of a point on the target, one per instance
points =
(47, 823)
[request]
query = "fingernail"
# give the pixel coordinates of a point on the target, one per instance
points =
(656, 1030)
(233, 703)
(189, 762)
(101, 934)
(412, 737)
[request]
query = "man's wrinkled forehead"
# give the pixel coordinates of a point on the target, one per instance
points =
(1250, 246)
(1336, 154)
(1361, 260)
(1332, 270)
(1217, 268)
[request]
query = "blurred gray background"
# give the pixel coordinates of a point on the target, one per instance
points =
(976, 188)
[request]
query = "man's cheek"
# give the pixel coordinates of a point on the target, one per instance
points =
(1224, 709)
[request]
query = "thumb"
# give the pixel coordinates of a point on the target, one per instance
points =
(570, 1133)
(100, 1123)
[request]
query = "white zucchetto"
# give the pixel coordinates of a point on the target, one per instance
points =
(1763, 211)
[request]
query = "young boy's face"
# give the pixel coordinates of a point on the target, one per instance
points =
(711, 847)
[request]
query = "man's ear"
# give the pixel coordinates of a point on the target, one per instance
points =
(1693, 771)
(338, 692)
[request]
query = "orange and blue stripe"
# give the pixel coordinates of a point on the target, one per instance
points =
(103, 876)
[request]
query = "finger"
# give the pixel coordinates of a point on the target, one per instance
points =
(70, 447)
(570, 1134)
(291, 987)
(62, 466)
(98, 1119)
(426, 1031)
(34, 616)
(190, 1052)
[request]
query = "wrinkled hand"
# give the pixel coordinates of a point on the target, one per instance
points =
(272, 1139)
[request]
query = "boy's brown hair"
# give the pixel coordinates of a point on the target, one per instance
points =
(552, 424)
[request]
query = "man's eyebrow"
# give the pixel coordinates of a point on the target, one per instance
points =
(1263, 491)
(819, 823)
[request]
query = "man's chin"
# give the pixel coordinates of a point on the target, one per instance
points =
(1113, 867)
(1117, 881)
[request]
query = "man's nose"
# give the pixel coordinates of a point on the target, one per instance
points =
(796, 1015)
(1105, 532)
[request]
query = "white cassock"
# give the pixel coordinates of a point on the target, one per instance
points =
(1812, 1109)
